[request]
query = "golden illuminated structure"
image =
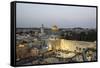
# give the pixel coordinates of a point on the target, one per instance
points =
(55, 43)
(70, 45)
(54, 28)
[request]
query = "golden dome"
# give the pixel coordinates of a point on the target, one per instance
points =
(54, 28)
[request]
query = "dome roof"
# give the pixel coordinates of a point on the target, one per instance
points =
(54, 28)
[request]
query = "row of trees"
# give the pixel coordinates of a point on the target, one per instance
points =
(81, 36)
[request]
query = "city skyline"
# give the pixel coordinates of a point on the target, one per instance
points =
(33, 15)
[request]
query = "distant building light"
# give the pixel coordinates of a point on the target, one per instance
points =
(21, 45)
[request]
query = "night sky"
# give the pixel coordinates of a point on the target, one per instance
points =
(34, 15)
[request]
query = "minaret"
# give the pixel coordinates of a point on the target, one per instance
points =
(42, 30)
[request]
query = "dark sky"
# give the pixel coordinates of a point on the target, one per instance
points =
(33, 15)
